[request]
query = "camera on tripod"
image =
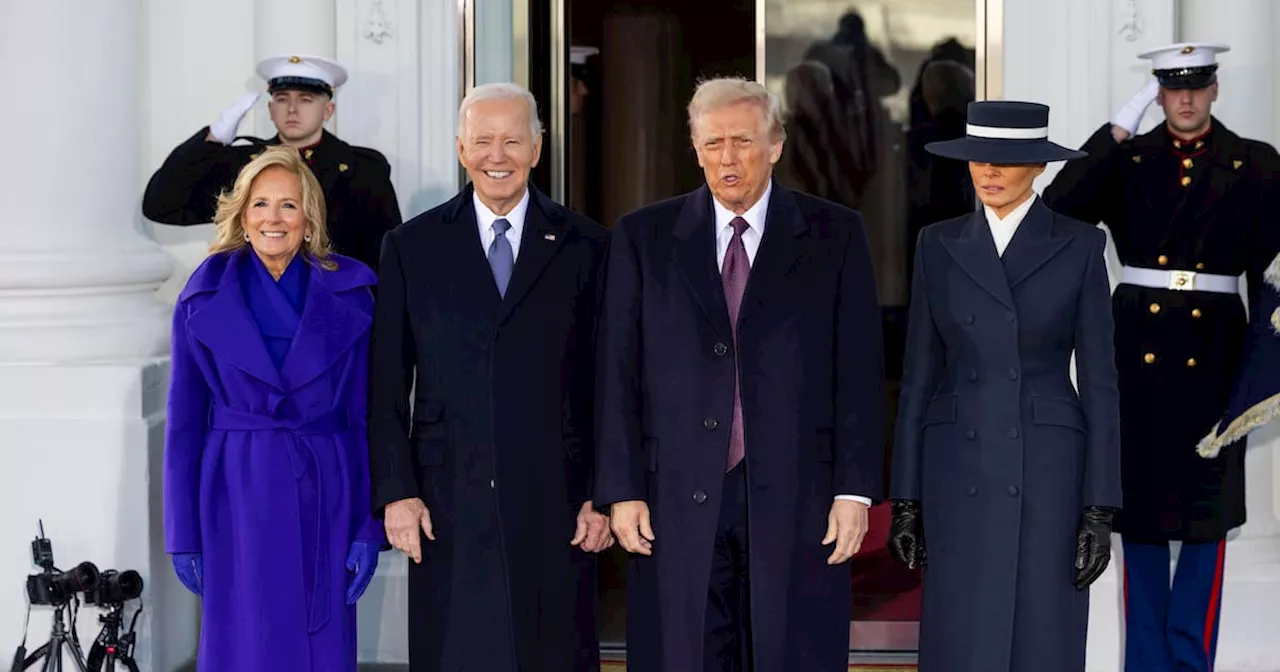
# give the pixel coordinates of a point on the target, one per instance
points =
(53, 587)
(115, 587)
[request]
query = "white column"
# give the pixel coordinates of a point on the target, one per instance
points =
(82, 337)
(301, 27)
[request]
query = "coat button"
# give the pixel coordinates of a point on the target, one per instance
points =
(973, 375)
(1195, 312)
(699, 496)
(971, 491)
(968, 319)
(1008, 317)
(720, 349)
(1012, 432)
(710, 423)
(1154, 308)
(1149, 358)
(971, 434)
(1013, 491)
(1191, 362)
(1162, 260)
(1013, 374)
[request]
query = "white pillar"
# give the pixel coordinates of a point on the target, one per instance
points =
(82, 337)
(301, 27)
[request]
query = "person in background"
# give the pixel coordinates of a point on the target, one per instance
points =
(487, 312)
(356, 181)
(740, 404)
(266, 482)
(1005, 480)
(1191, 207)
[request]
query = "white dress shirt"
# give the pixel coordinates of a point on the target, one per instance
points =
(485, 219)
(756, 220)
(1002, 230)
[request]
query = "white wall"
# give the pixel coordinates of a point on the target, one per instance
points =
(1080, 58)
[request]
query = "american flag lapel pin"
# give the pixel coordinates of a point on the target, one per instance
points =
(549, 236)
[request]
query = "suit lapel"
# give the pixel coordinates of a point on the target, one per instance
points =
(780, 247)
(975, 252)
(544, 234)
(461, 247)
(1032, 245)
(329, 326)
(695, 256)
(223, 324)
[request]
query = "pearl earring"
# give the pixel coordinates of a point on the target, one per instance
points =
(246, 236)
(307, 238)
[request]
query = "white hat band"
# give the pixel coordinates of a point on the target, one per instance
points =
(1007, 133)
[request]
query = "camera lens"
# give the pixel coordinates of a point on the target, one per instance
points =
(130, 583)
(82, 577)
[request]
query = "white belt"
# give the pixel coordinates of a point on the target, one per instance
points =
(1187, 281)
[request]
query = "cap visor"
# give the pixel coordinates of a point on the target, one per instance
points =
(1008, 152)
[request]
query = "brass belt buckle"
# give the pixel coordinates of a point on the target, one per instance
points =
(1182, 280)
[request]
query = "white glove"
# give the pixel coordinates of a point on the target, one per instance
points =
(1130, 114)
(223, 129)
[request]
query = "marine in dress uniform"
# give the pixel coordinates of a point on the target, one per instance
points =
(361, 201)
(1185, 206)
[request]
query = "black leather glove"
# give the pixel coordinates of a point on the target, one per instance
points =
(1093, 544)
(906, 535)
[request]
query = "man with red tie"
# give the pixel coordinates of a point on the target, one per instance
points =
(739, 406)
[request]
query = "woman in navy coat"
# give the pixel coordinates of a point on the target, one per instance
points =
(1005, 476)
(266, 486)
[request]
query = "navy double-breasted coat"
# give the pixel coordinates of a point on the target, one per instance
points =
(996, 443)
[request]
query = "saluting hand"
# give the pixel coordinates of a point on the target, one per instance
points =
(630, 522)
(846, 527)
(406, 521)
(592, 533)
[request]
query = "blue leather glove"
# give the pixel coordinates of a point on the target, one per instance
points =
(190, 570)
(362, 559)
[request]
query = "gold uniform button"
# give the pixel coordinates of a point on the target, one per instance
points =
(1154, 308)
(1162, 260)
(1200, 266)
(1149, 358)
(1195, 312)
(307, 154)
(1187, 163)
(1177, 143)
(1191, 362)
(1186, 181)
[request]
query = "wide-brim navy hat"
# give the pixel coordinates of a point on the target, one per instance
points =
(1005, 132)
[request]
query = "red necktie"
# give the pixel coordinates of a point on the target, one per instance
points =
(734, 277)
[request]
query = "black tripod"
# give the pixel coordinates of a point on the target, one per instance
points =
(51, 651)
(111, 647)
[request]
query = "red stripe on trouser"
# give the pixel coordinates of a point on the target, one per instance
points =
(1215, 601)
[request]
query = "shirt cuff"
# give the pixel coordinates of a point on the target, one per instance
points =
(855, 498)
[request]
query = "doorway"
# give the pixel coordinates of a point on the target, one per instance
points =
(865, 85)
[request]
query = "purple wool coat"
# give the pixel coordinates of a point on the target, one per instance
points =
(266, 467)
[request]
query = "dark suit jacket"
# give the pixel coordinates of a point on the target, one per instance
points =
(996, 443)
(812, 394)
(499, 442)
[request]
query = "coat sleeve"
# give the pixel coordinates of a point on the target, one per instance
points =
(366, 527)
(1096, 381)
(1088, 189)
(619, 470)
(923, 368)
(392, 468)
(579, 386)
(186, 427)
(858, 441)
(184, 190)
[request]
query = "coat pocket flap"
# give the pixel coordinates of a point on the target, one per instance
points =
(941, 410)
(1058, 412)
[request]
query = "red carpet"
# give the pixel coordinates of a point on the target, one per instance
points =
(883, 590)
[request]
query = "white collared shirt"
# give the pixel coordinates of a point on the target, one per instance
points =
(1002, 230)
(485, 219)
(756, 219)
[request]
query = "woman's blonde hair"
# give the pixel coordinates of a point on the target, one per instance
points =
(229, 219)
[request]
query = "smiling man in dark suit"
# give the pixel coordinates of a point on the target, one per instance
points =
(740, 402)
(488, 303)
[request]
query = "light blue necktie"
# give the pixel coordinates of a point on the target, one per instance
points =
(501, 259)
